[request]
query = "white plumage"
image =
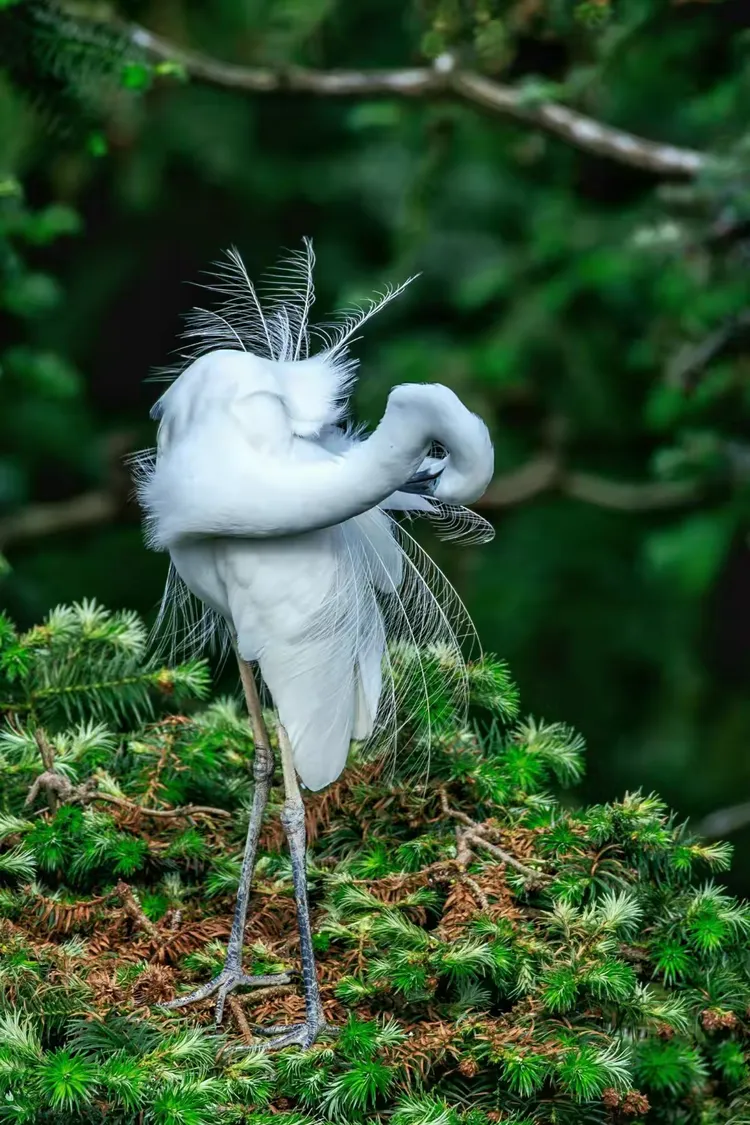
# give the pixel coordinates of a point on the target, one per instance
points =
(277, 517)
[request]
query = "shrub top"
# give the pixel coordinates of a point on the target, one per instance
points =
(491, 954)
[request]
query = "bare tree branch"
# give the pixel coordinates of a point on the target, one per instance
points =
(240, 1018)
(722, 822)
(89, 509)
(545, 473)
(539, 475)
(59, 791)
(443, 78)
(579, 130)
(625, 496)
(132, 908)
(37, 520)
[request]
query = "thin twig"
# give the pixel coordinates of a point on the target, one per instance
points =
(444, 78)
(479, 895)
(38, 520)
(154, 782)
(474, 834)
(452, 868)
(463, 858)
(89, 509)
(133, 909)
(54, 785)
(503, 856)
(626, 496)
(545, 473)
(46, 749)
(59, 791)
(271, 990)
(463, 851)
(237, 1011)
(183, 810)
(455, 813)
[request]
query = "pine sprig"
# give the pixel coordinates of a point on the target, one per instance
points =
(75, 68)
(85, 661)
(490, 955)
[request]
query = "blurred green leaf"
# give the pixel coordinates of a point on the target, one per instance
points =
(30, 295)
(690, 552)
(46, 372)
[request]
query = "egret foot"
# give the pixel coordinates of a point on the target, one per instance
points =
(226, 982)
(293, 1035)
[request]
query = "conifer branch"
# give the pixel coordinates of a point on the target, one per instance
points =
(627, 964)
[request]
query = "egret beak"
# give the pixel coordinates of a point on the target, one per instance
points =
(422, 483)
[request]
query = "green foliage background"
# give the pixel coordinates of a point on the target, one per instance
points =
(565, 296)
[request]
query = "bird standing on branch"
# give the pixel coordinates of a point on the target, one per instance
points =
(276, 513)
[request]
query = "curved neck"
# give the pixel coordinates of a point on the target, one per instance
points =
(417, 415)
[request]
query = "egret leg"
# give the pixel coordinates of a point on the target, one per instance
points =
(293, 818)
(232, 975)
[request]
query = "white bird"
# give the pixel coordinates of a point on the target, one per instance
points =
(276, 516)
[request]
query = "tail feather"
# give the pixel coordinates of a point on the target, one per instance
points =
(369, 683)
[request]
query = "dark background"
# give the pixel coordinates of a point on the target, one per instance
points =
(591, 311)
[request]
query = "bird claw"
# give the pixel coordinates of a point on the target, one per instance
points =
(301, 1035)
(227, 980)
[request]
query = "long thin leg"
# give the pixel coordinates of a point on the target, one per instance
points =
(232, 975)
(293, 819)
(262, 774)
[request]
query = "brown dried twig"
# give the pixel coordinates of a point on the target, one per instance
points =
(59, 791)
(183, 810)
(463, 858)
(133, 909)
(474, 832)
(235, 1005)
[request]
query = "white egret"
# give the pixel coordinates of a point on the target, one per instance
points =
(276, 516)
